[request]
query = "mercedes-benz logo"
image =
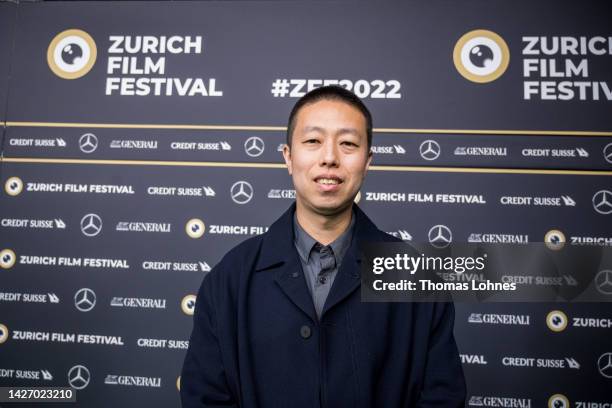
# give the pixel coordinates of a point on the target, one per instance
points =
(602, 202)
(88, 143)
(78, 377)
(84, 299)
(607, 152)
(603, 281)
(241, 192)
(429, 149)
(604, 364)
(91, 225)
(440, 236)
(254, 146)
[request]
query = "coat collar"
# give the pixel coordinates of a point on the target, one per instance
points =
(277, 245)
(279, 255)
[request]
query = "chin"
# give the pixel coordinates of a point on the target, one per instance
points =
(331, 208)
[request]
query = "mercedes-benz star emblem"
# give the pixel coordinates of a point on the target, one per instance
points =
(91, 225)
(78, 377)
(254, 146)
(429, 149)
(241, 192)
(440, 236)
(603, 281)
(84, 299)
(602, 202)
(607, 152)
(88, 143)
(604, 364)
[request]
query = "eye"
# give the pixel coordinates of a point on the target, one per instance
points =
(311, 141)
(349, 144)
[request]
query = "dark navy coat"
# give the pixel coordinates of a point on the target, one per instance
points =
(257, 342)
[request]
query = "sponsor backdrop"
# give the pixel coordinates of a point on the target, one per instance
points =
(141, 142)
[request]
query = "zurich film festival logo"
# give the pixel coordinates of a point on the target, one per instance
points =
(558, 401)
(7, 258)
(481, 56)
(4, 333)
(188, 304)
(556, 321)
(13, 186)
(72, 54)
(554, 240)
(195, 228)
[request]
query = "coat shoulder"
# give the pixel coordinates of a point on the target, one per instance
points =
(226, 273)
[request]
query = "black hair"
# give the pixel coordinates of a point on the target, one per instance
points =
(330, 92)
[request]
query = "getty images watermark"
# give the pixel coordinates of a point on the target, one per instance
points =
(481, 272)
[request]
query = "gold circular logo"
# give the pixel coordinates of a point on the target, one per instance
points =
(357, 197)
(13, 186)
(178, 383)
(7, 258)
(481, 56)
(4, 333)
(71, 54)
(554, 240)
(188, 304)
(556, 321)
(195, 228)
(558, 401)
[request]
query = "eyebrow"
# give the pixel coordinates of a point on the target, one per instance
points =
(338, 132)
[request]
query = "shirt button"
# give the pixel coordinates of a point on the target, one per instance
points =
(322, 280)
(305, 332)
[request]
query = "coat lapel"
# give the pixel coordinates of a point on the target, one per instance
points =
(292, 282)
(346, 281)
(279, 256)
(349, 274)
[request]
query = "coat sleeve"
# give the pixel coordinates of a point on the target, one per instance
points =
(444, 383)
(203, 379)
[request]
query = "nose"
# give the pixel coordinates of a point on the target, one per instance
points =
(329, 153)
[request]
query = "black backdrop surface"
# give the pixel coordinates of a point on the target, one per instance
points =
(128, 124)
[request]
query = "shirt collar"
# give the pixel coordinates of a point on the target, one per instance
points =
(304, 242)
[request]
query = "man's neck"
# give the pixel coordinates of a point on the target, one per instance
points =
(324, 228)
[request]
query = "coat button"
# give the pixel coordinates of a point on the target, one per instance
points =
(305, 332)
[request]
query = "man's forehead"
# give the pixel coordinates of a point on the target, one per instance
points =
(336, 130)
(330, 114)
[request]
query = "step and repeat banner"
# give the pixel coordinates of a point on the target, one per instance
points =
(141, 141)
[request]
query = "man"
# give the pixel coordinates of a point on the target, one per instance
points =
(279, 321)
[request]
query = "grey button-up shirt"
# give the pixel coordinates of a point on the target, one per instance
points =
(320, 263)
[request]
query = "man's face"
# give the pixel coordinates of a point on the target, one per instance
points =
(329, 156)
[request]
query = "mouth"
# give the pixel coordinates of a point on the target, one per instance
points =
(328, 182)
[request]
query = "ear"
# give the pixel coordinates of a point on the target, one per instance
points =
(287, 157)
(370, 156)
